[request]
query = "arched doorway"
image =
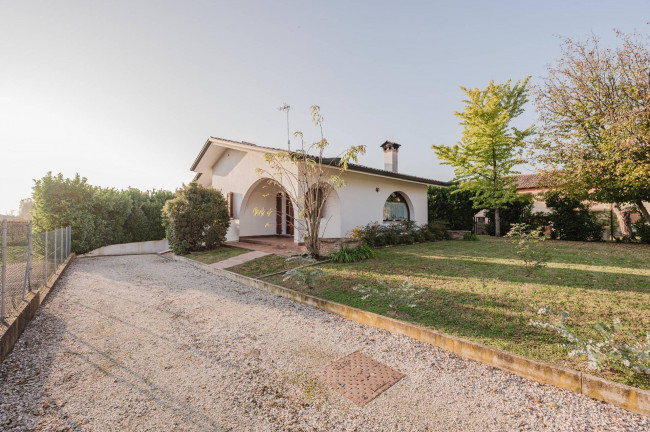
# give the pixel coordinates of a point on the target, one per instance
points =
(266, 210)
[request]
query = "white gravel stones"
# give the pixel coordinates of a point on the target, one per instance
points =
(144, 344)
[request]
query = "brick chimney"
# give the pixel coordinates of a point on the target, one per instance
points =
(390, 155)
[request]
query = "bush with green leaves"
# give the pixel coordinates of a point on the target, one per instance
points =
(519, 210)
(617, 349)
(642, 231)
(305, 272)
(451, 207)
(571, 219)
(400, 297)
(98, 216)
(196, 219)
(349, 255)
(527, 243)
(404, 232)
(468, 236)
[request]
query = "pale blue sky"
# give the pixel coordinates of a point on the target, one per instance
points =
(126, 92)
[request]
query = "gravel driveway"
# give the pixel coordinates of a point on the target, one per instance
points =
(139, 343)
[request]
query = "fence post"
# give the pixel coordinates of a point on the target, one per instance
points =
(4, 268)
(28, 263)
(61, 257)
(45, 262)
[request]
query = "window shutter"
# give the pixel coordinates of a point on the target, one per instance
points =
(231, 205)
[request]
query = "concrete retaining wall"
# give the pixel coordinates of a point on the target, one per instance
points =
(13, 329)
(138, 248)
(630, 398)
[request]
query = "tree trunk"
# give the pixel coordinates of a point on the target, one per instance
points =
(497, 223)
(643, 210)
(624, 221)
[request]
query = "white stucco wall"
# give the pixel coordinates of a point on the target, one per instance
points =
(361, 203)
(136, 248)
(355, 204)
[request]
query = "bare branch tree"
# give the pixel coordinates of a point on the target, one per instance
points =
(308, 178)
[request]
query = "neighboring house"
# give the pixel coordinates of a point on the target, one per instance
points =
(531, 184)
(369, 195)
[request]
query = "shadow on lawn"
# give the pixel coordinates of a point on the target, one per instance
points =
(423, 263)
(564, 252)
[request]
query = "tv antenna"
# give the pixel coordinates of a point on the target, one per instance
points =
(286, 107)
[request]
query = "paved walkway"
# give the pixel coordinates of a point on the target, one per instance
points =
(239, 259)
(140, 343)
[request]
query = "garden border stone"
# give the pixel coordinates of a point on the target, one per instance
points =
(27, 310)
(627, 397)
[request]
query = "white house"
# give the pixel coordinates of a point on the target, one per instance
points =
(369, 194)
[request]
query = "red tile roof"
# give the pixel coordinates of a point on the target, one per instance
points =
(531, 181)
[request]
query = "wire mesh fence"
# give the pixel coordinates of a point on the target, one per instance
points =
(28, 261)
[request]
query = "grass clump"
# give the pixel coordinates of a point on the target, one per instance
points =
(350, 255)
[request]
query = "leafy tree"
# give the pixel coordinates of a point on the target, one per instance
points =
(518, 210)
(595, 111)
(308, 178)
(60, 202)
(490, 147)
(451, 207)
(98, 216)
(571, 219)
(196, 218)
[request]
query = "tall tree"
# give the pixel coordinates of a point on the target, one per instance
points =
(308, 178)
(595, 135)
(490, 147)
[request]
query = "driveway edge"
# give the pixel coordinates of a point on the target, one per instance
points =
(27, 310)
(630, 398)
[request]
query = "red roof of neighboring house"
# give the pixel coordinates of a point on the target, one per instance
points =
(530, 181)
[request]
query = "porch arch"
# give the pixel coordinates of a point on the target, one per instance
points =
(263, 195)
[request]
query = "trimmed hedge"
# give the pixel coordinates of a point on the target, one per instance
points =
(98, 216)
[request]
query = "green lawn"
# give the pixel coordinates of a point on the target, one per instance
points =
(216, 255)
(479, 291)
(16, 254)
(265, 265)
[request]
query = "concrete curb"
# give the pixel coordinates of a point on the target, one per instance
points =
(27, 310)
(629, 398)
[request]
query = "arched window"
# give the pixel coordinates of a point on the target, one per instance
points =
(396, 208)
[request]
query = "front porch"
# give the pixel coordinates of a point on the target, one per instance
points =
(282, 245)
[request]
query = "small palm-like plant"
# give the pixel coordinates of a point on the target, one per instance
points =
(618, 349)
(527, 243)
(400, 297)
(304, 273)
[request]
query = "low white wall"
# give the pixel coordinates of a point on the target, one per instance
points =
(147, 247)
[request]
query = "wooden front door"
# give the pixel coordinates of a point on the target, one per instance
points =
(278, 214)
(289, 214)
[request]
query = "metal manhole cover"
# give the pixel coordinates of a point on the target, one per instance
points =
(359, 378)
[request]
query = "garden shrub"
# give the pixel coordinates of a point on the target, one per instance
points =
(196, 219)
(405, 232)
(642, 231)
(468, 236)
(526, 241)
(305, 272)
(451, 206)
(618, 349)
(348, 255)
(98, 216)
(519, 210)
(571, 220)
(400, 297)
